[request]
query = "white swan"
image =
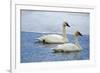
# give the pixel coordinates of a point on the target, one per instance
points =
(55, 38)
(69, 47)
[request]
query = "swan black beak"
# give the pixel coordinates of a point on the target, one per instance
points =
(67, 24)
(79, 33)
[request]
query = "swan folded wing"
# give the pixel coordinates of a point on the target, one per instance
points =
(52, 38)
(70, 47)
(67, 47)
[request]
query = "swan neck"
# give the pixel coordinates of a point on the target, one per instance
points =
(64, 34)
(76, 41)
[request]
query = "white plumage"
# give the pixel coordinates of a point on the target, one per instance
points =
(55, 38)
(69, 47)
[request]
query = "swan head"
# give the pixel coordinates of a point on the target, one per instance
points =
(66, 24)
(77, 33)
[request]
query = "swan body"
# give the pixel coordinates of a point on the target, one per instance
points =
(55, 38)
(69, 47)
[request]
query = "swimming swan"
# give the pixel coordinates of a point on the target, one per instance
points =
(55, 38)
(69, 47)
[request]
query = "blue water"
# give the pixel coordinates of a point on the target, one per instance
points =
(34, 51)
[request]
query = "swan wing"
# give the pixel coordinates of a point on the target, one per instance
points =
(67, 47)
(52, 38)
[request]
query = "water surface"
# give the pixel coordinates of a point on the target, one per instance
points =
(33, 51)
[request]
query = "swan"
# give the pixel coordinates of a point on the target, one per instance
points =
(69, 47)
(55, 38)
